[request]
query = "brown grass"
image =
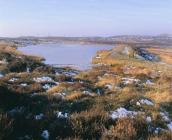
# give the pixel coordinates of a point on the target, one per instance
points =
(164, 53)
(74, 96)
(11, 49)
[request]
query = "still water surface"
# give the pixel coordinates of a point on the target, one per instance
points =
(77, 55)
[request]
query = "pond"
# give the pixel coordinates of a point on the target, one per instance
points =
(75, 55)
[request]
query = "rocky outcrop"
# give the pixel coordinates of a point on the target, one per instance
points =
(143, 54)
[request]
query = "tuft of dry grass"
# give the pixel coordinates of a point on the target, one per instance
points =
(163, 136)
(6, 126)
(90, 124)
(74, 96)
(126, 129)
(160, 97)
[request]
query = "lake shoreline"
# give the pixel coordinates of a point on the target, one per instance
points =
(78, 55)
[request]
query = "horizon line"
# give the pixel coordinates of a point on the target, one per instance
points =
(51, 36)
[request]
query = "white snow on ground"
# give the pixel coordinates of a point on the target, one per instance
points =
(167, 119)
(47, 86)
(99, 77)
(126, 51)
(117, 88)
(144, 101)
(28, 70)
(109, 86)
(138, 103)
(149, 82)
(34, 94)
(101, 64)
(148, 119)
(60, 94)
(62, 115)
(165, 116)
(86, 92)
(43, 79)
(57, 83)
(98, 92)
(45, 135)
(26, 137)
(131, 80)
(39, 117)
(169, 126)
(98, 57)
(157, 130)
(16, 110)
(13, 79)
(81, 82)
(109, 75)
(1, 75)
(122, 113)
(106, 74)
(23, 84)
(57, 73)
(70, 82)
(70, 73)
(4, 61)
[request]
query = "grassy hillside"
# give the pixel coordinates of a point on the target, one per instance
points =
(124, 97)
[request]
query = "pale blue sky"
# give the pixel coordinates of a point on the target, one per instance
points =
(85, 17)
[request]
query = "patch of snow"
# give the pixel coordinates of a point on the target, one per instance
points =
(165, 116)
(81, 82)
(1, 75)
(131, 80)
(86, 92)
(23, 84)
(98, 57)
(99, 77)
(157, 130)
(148, 119)
(28, 70)
(60, 94)
(57, 83)
(118, 88)
(109, 86)
(43, 79)
(122, 113)
(139, 57)
(34, 94)
(62, 115)
(39, 117)
(47, 86)
(138, 103)
(98, 92)
(57, 73)
(45, 135)
(70, 73)
(169, 126)
(26, 137)
(145, 101)
(149, 82)
(4, 61)
(101, 64)
(63, 94)
(13, 79)
(126, 51)
(167, 119)
(70, 82)
(16, 110)
(106, 74)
